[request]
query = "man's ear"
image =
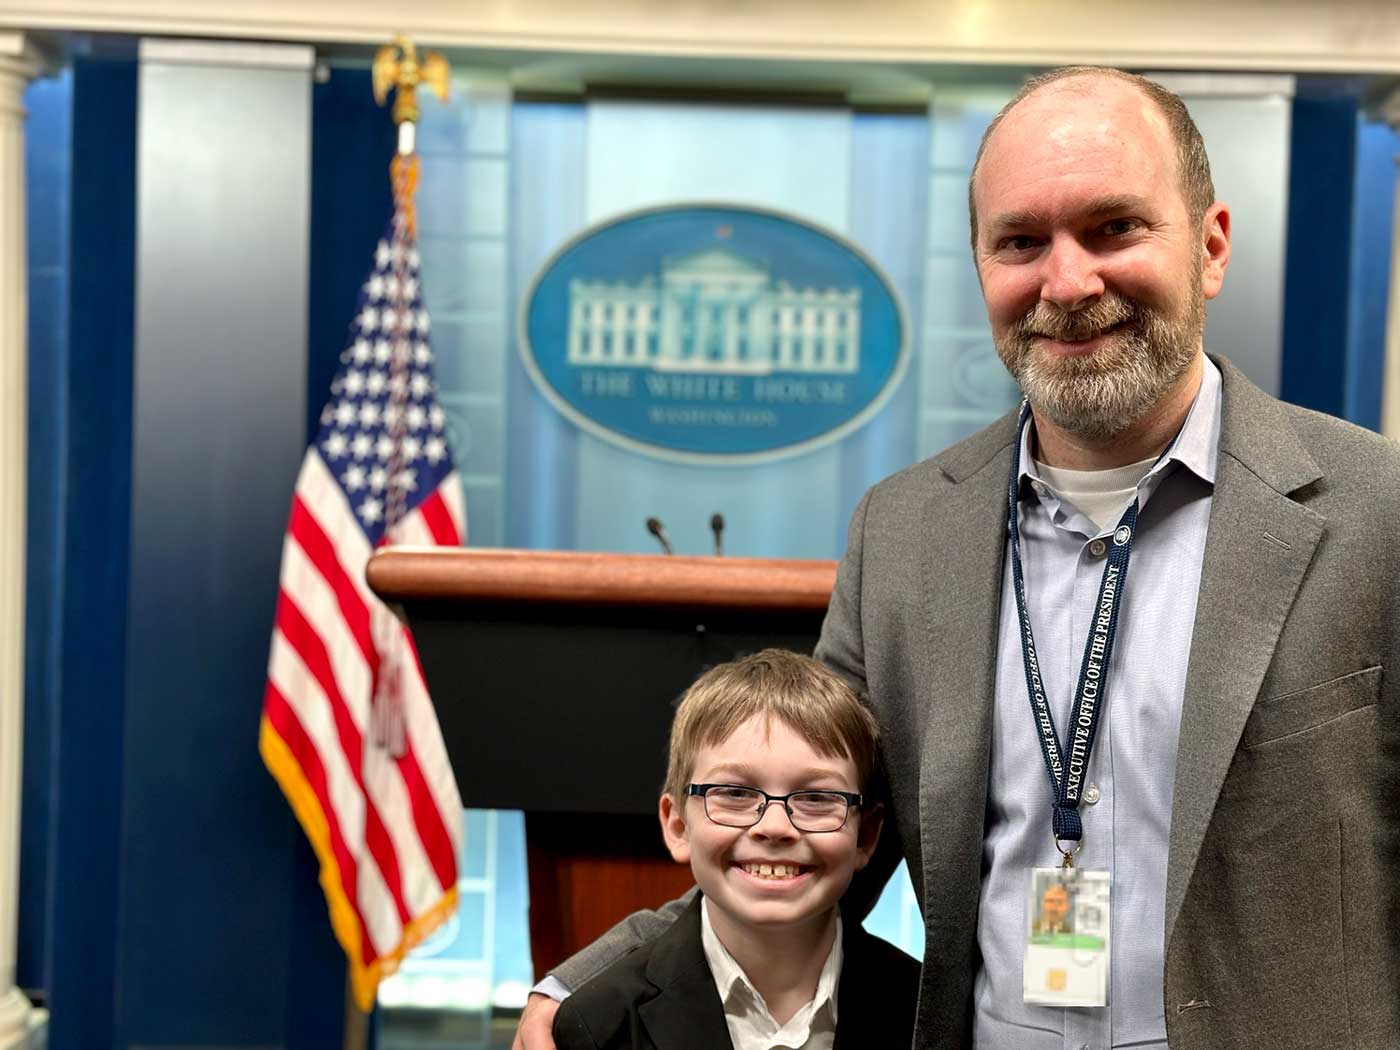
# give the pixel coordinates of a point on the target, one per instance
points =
(868, 834)
(674, 830)
(1215, 251)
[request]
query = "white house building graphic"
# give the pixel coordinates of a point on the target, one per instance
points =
(714, 311)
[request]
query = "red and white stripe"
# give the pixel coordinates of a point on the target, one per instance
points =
(394, 823)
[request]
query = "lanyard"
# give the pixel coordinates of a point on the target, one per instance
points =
(1067, 771)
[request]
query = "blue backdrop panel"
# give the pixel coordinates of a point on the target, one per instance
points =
(1372, 238)
(48, 133)
(90, 715)
(352, 142)
(220, 406)
(1340, 222)
(1317, 279)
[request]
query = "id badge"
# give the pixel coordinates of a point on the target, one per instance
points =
(1066, 961)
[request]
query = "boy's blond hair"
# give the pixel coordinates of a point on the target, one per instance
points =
(805, 694)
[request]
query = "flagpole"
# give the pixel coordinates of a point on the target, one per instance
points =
(396, 69)
(356, 1023)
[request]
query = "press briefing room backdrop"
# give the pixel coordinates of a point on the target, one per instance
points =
(200, 217)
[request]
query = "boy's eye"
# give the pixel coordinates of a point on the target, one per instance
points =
(818, 801)
(734, 794)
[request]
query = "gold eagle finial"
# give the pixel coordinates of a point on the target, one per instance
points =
(396, 65)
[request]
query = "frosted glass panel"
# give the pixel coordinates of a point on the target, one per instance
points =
(1248, 142)
(646, 153)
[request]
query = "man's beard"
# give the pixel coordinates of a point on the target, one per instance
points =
(1103, 393)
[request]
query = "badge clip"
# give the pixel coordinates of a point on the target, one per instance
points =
(1068, 854)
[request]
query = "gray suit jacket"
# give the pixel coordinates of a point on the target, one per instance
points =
(1283, 889)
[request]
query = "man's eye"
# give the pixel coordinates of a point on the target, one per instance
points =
(1018, 243)
(1119, 227)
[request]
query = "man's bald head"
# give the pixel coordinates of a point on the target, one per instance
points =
(1193, 166)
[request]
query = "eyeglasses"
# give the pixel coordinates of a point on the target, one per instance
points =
(742, 807)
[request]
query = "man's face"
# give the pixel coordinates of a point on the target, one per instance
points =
(813, 870)
(1054, 904)
(1094, 274)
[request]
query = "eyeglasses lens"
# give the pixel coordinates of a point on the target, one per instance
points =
(738, 807)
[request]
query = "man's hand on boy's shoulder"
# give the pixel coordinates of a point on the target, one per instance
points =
(536, 1028)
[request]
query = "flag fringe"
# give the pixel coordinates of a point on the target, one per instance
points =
(345, 921)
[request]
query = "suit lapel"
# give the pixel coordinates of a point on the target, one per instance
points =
(962, 549)
(1258, 547)
(686, 1013)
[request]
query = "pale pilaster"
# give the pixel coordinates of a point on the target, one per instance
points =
(18, 65)
(1390, 395)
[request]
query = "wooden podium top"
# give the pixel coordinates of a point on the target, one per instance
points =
(573, 578)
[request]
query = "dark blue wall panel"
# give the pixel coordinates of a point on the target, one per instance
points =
(91, 713)
(48, 133)
(352, 143)
(1318, 271)
(1372, 229)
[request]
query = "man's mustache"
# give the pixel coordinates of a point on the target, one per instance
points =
(1049, 321)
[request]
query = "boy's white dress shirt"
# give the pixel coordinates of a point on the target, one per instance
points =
(751, 1026)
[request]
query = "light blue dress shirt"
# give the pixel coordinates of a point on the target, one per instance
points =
(1132, 767)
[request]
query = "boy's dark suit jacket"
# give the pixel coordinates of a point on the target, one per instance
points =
(661, 996)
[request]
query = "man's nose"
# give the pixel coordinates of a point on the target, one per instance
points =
(1070, 278)
(774, 822)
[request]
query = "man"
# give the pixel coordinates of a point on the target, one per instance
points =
(1229, 720)
(1054, 917)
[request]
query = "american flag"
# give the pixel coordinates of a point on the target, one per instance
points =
(348, 730)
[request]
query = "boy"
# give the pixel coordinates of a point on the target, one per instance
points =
(770, 756)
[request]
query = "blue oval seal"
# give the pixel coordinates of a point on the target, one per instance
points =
(713, 333)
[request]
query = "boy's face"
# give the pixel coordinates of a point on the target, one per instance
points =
(769, 755)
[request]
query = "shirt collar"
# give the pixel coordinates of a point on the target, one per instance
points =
(730, 977)
(1194, 447)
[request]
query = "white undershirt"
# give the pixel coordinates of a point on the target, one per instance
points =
(1102, 495)
(751, 1026)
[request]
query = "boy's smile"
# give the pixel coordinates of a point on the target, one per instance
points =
(768, 875)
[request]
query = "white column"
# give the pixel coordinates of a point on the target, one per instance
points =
(731, 331)
(18, 65)
(787, 333)
(811, 322)
(642, 329)
(576, 322)
(853, 334)
(1390, 392)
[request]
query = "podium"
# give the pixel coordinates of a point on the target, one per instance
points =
(555, 675)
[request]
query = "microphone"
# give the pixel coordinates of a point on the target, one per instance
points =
(717, 527)
(655, 527)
